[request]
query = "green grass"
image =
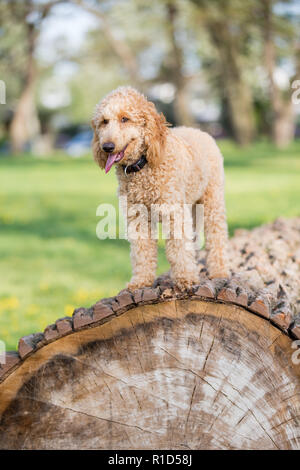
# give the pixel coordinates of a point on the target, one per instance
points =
(50, 258)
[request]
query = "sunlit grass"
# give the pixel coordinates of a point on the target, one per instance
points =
(262, 183)
(50, 258)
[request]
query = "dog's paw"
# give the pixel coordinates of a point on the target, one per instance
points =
(222, 274)
(137, 283)
(186, 283)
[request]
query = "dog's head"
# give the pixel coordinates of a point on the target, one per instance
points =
(127, 125)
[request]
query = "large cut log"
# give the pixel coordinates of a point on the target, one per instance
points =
(213, 368)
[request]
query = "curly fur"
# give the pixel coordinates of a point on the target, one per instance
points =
(185, 166)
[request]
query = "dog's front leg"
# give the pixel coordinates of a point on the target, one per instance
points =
(143, 254)
(180, 251)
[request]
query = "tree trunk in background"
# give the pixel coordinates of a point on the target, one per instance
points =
(238, 93)
(25, 124)
(183, 115)
(284, 125)
(119, 46)
(240, 108)
(123, 51)
(283, 115)
(182, 111)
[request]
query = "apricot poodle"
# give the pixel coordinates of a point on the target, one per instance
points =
(164, 168)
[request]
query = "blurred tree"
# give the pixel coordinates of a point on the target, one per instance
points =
(227, 23)
(92, 80)
(131, 44)
(119, 46)
(174, 65)
(279, 41)
(28, 15)
(11, 61)
(178, 52)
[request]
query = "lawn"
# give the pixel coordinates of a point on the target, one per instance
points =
(50, 258)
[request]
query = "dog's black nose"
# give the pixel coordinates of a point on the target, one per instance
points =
(108, 147)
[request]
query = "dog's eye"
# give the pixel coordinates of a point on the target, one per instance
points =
(105, 121)
(124, 119)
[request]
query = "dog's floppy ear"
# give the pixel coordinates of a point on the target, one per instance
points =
(99, 156)
(155, 134)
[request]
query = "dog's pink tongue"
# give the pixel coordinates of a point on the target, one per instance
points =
(110, 161)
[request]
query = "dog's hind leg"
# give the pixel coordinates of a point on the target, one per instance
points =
(198, 227)
(215, 226)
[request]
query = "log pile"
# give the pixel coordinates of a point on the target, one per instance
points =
(213, 368)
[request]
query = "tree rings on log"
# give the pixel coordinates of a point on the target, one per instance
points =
(166, 373)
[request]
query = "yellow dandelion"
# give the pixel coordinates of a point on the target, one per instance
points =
(69, 309)
(9, 303)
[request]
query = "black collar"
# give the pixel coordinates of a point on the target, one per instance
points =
(137, 166)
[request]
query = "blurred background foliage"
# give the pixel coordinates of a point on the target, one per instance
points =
(226, 66)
